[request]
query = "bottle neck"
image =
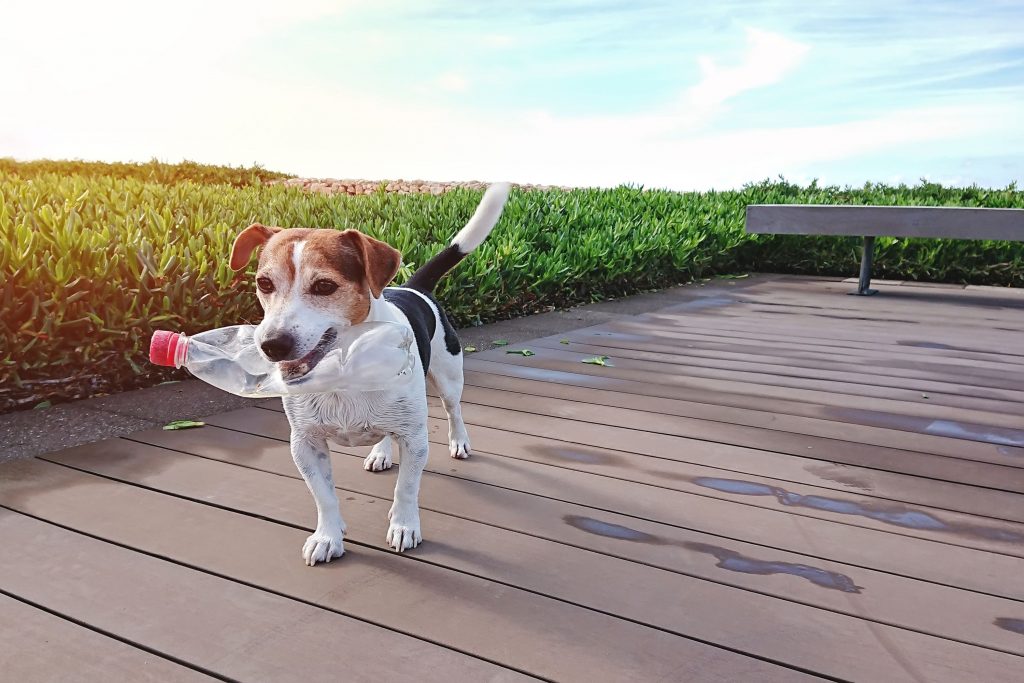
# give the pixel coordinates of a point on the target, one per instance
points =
(181, 350)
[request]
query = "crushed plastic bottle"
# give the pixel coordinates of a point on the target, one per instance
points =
(370, 356)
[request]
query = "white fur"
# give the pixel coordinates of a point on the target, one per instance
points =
(389, 418)
(483, 220)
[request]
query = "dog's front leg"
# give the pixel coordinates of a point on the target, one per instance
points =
(404, 529)
(312, 458)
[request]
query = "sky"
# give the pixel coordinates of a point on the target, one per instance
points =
(658, 93)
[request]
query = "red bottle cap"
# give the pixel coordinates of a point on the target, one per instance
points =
(164, 348)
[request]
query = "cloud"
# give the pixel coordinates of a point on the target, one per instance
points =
(768, 59)
(452, 81)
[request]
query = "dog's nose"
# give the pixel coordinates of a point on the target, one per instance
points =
(278, 348)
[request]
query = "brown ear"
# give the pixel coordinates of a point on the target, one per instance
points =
(256, 235)
(381, 260)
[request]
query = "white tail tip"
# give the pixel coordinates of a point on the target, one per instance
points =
(484, 219)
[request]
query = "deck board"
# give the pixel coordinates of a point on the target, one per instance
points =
(39, 647)
(775, 482)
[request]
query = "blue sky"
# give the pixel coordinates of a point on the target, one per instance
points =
(659, 93)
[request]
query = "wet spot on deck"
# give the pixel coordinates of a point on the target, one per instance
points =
(958, 430)
(707, 302)
(934, 345)
(839, 474)
(896, 515)
(1008, 624)
(589, 456)
(609, 530)
(733, 561)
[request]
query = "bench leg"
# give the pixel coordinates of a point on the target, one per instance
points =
(867, 255)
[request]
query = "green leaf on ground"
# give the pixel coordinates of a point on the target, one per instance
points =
(42, 405)
(598, 360)
(563, 341)
(500, 342)
(183, 424)
(522, 352)
(469, 349)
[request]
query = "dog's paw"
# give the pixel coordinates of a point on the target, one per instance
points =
(378, 460)
(320, 547)
(459, 448)
(404, 530)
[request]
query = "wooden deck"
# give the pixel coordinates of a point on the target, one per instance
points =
(774, 482)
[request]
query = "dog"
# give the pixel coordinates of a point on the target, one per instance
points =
(311, 283)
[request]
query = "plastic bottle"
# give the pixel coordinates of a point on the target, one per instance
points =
(371, 356)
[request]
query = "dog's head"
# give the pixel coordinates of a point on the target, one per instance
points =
(312, 283)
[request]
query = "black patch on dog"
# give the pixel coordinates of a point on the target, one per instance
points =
(451, 339)
(425, 279)
(421, 319)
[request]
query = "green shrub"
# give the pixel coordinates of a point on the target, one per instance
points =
(151, 171)
(93, 263)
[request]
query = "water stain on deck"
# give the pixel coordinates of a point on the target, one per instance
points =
(935, 345)
(735, 562)
(583, 454)
(839, 474)
(957, 430)
(896, 515)
(729, 560)
(610, 530)
(1008, 624)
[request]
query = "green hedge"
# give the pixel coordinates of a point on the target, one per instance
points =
(150, 171)
(91, 264)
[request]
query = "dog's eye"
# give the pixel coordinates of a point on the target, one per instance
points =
(324, 287)
(265, 284)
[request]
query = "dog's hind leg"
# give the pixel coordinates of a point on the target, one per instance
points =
(380, 457)
(447, 378)
(313, 461)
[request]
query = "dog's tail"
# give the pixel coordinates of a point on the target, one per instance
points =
(468, 239)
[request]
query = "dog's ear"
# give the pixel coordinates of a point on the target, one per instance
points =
(380, 260)
(256, 235)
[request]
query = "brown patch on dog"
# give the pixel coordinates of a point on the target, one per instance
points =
(253, 237)
(380, 260)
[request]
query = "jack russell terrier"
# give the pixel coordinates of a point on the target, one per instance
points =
(311, 282)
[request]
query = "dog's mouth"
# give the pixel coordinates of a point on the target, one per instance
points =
(293, 369)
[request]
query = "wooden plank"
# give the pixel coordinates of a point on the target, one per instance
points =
(1000, 468)
(448, 483)
(917, 381)
(931, 319)
(553, 639)
(799, 634)
(907, 349)
(918, 305)
(857, 384)
(668, 473)
(867, 435)
(987, 471)
(714, 390)
(993, 535)
(996, 346)
(233, 630)
(860, 510)
(887, 221)
(754, 357)
(39, 647)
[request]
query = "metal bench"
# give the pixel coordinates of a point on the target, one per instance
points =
(870, 222)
